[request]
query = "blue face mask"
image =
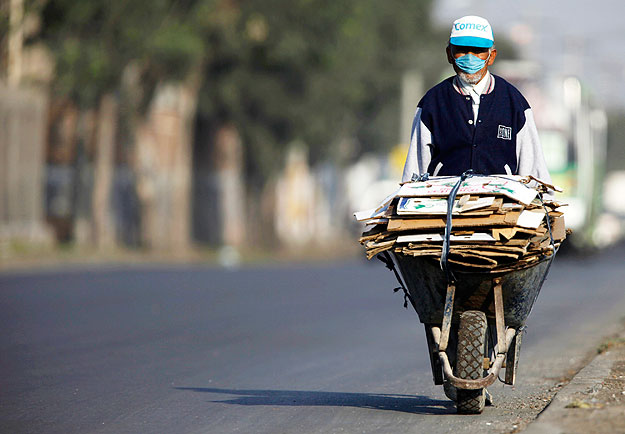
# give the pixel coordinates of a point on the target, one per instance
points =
(470, 63)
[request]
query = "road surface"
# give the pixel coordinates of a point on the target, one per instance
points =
(324, 348)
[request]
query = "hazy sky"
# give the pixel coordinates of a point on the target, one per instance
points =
(575, 37)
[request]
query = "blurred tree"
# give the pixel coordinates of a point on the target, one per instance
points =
(321, 71)
(95, 44)
(324, 72)
(4, 34)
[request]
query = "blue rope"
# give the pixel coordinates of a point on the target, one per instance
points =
(447, 238)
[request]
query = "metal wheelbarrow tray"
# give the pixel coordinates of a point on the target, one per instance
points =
(458, 318)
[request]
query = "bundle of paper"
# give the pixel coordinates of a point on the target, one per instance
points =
(499, 223)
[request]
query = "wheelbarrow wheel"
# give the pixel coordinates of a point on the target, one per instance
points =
(470, 360)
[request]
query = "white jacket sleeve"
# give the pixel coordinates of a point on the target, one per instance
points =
(529, 153)
(419, 152)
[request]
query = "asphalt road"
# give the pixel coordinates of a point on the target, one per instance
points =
(323, 348)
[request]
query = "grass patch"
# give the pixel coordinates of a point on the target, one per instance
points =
(609, 344)
(582, 404)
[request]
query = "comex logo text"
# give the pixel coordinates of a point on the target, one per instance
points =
(471, 26)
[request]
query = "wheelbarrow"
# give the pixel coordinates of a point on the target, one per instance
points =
(473, 325)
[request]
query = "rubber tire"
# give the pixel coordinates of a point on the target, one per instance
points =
(470, 360)
(450, 391)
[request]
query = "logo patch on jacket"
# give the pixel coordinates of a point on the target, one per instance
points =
(504, 132)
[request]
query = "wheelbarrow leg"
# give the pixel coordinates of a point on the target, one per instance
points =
(499, 317)
(447, 315)
(435, 361)
(513, 348)
(512, 359)
(443, 342)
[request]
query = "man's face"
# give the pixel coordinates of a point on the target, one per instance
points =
(456, 51)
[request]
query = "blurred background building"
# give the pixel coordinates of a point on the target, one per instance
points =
(262, 125)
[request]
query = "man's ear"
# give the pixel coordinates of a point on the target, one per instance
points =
(450, 58)
(493, 54)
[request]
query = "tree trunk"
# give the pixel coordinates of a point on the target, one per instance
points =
(163, 165)
(83, 177)
(104, 166)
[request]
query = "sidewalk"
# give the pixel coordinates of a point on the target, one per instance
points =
(593, 401)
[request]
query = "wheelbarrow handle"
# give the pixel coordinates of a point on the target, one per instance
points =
(493, 372)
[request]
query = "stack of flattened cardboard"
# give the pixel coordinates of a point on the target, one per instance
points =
(499, 223)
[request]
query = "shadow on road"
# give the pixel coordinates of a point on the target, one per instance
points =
(403, 403)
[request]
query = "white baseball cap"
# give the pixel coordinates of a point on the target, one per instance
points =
(472, 31)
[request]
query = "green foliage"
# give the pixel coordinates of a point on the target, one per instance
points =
(83, 71)
(93, 41)
(173, 48)
(4, 21)
(316, 71)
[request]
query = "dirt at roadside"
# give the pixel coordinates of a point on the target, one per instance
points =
(599, 407)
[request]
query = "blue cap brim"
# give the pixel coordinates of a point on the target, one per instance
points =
(471, 41)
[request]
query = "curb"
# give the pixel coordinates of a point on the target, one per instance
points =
(587, 381)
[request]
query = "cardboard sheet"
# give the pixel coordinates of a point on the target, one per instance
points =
(458, 222)
(530, 219)
(421, 238)
(498, 223)
(428, 206)
(557, 228)
(481, 185)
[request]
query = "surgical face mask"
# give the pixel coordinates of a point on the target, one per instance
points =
(470, 63)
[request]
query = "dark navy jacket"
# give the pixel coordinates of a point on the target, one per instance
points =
(446, 140)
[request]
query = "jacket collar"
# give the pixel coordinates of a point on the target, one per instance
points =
(490, 86)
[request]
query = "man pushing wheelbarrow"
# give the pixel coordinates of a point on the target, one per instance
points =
(473, 229)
